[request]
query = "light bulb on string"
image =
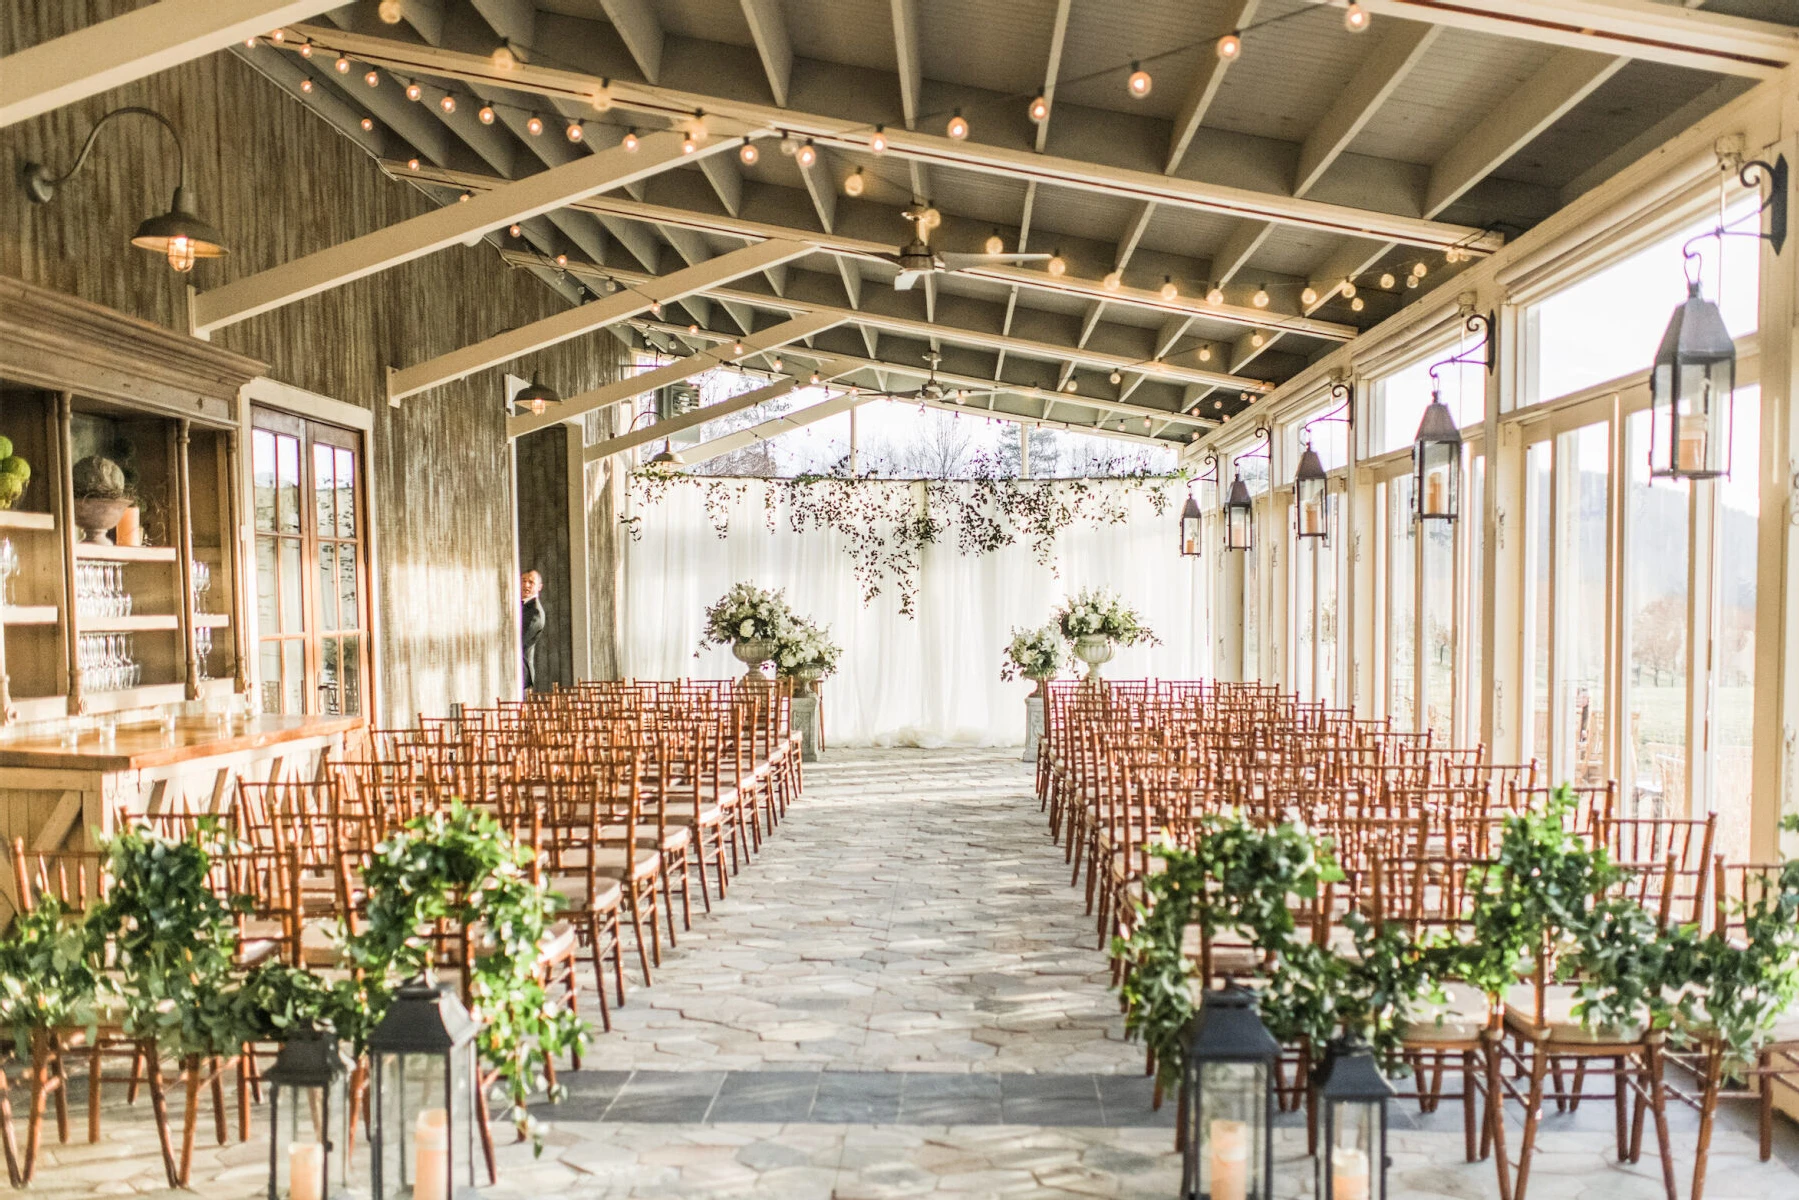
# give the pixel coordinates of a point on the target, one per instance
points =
(1348, 289)
(1169, 291)
(414, 91)
(1113, 281)
(368, 126)
(516, 230)
(306, 86)
(693, 329)
(412, 164)
(1058, 266)
(1308, 294)
(994, 243)
(737, 349)
(1419, 269)
(1257, 340)
(958, 126)
(562, 260)
(878, 143)
(775, 362)
(575, 132)
(373, 78)
(1215, 295)
(1386, 279)
(504, 58)
(1139, 83)
(854, 184)
(1205, 354)
(391, 11)
(1069, 386)
(448, 103)
(486, 114)
(1260, 299)
(342, 64)
(688, 145)
(1358, 304)
(534, 126)
(601, 99)
(748, 153)
(1355, 18)
(807, 154)
(1411, 281)
(1230, 47)
(655, 308)
(464, 197)
(278, 36)
(1039, 110)
(1115, 377)
(814, 379)
(631, 141)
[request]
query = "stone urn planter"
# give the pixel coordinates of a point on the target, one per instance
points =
(1094, 649)
(805, 680)
(96, 516)
(752, 653)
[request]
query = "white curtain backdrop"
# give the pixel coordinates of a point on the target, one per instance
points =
(931, 679)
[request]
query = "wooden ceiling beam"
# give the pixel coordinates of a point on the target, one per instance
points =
(1206, 85)
(768, 27)
(429, 232)
(928, 149)
(906, 56)
(1641, 29)
(45, 77)
(829, 407)
(625, 389)
(640, 30)
(1398, 47)
(1058, 36)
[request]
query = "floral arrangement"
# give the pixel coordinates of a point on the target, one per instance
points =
(1102, 614)
(747, 612)
(1033, 654)
(805, 644)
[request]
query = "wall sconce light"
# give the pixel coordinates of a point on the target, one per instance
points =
(178, 234)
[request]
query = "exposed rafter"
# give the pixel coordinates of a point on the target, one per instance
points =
(641, 31)
(432, 231)
(929, 149)
(549, 331)
(1058, 33)
(769, 29)
(153, 38)
(1398, 47)
(842, 402)
(1642, 29)
(1206, 83)
(686, 368)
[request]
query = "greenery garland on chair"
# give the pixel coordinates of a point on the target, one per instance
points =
(886, 523)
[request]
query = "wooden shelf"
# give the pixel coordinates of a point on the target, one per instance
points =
(43, 522)
(137, 697)
(28, 614)
(135, 623)
(32, 709)
(212, 621)
(112, 553)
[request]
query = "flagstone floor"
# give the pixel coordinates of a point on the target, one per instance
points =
(901, 997)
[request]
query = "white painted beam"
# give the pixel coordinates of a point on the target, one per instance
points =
(1569, 77)
(1398, 47)
(841, 403)
(721, 171)
(614, 393)
(1234, 255)
(769, 29)
(1641, 29)
(1133, 234)
(640, 30)
(153, 38)
(1058, 34)
(905, 51)
(1206, 83)
(1021, 164)
(562, 326)
(514, 20)
(432, 231)
(822, 189)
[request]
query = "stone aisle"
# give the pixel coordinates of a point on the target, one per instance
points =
(901, 997)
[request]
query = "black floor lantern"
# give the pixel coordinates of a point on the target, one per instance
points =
(1354, 1095)
(309, 1119)
(424, 1142)
(1227, 1101)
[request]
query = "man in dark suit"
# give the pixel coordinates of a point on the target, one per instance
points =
(530, 623)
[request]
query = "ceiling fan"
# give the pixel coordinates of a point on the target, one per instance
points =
(934, 391)
(916, 259)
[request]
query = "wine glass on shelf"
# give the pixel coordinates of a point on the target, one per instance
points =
(9, 567)
(202, 579)
(202, 648)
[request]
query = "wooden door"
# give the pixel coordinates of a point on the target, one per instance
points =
(311, 566)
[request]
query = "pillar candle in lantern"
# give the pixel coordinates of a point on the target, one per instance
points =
(431, 1164)
(1230, 1160)
(305, 1171)
(1349, 1174)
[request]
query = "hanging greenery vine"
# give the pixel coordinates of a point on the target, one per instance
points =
(887, 523)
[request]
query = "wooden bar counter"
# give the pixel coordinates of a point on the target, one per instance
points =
(57, 795)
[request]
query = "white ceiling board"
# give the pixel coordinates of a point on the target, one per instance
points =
(999, 47)
(858, 33)
(1463, 78)
(707, 20)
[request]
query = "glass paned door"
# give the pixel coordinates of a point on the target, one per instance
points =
(311, 567)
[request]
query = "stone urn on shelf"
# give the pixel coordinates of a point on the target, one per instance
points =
(752, 653)
(805, 680)
(1094, 649)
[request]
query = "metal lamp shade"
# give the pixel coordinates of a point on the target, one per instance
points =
(536, 396)
(1692, 388)
(1311, 497)
(179, 235)
(310, 1131)
(1354, 1096)
(1239, 517)
(1437, 466)
(1192, 525)
(1227, 1101)
(425, 1103)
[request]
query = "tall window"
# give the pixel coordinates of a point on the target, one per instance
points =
(1657, 533)
(1537, 543)
(311, 597)
(1733, 719)
(1402, 604)
(1583, 478)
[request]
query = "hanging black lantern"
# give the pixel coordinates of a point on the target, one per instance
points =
(310, 1133)
(1437, 464)
(1192, 524)
(1239, 517)
(1354, 1095)
(425, 1107)
(1691, 391)
(1311, 497)
(1227, 1101)
(536, 396)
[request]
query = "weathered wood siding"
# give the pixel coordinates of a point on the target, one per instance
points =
(281, 183)
(543, 545)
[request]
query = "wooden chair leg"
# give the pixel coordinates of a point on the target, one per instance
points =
(40, 1089)
(1495, 1137)
(1620, 1105)
(215, 1068)
(7, 1138)
(1708, 1109)
(1469, 1134)
(643, 947)
(190, 1119)
(1658, 1105)
(486, 1127)
(1764, 1087)
(93, 1097)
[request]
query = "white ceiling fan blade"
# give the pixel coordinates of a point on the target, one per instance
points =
(905, 279)
(959, 262)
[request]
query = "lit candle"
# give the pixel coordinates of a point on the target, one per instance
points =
(1349, 1174)
(305, 1171)
(1311, 516)
(431, 1156)
(1433, 492)
(1230, 1160)
(1691, 456)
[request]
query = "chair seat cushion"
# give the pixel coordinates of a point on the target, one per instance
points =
(1459, 1018)
(1558, 1022)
